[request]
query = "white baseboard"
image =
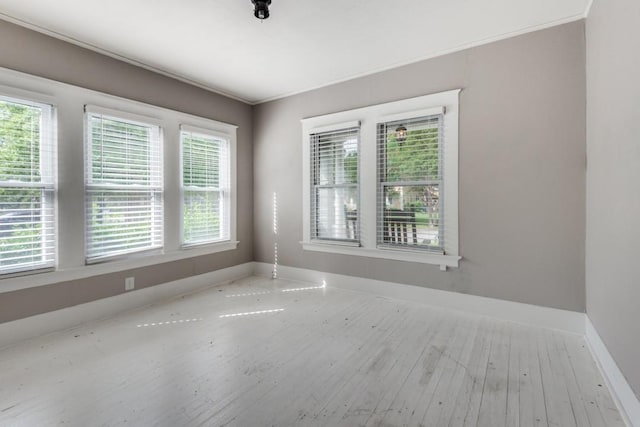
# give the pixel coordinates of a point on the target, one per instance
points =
(546, 317)
(624, 397)
(564, 320)
(66, 318)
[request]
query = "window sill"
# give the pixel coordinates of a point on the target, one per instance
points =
(20, 273)
(208, 248)
(443, 261)
(75, 273)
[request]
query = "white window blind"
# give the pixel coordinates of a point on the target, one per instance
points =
(124, 186)
(27, 193)
(410, 184)
(334, 185)
(205, 187)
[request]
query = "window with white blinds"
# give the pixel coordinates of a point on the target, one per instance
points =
(27, 191)
(205, 186)
(124, 184)
(410, 184)
(391, 170)
(334, 185)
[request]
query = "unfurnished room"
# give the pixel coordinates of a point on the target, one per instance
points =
(251, 213)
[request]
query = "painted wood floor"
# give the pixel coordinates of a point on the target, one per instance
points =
(260, 352)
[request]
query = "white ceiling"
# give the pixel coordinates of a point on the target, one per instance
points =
(219, 45)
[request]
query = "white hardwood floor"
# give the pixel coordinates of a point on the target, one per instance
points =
(260, 352)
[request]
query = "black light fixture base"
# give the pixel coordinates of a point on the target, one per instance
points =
(261, 9)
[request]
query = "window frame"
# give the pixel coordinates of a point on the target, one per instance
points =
(69, 101)
(228, 194)
(34, 99)
(382, 183)
(369, 117)
(155, 186)
(347, 126)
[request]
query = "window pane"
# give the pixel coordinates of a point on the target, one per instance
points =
(124, 188)
(121, 152)
(410, 181)
(334, 180)
(205, 181)
(19, 142)
(27, 239)
(336, 213)
(411, 216)
(201, 156)
(337, 158)
(201, 218)
(123, 221)
(414, 155)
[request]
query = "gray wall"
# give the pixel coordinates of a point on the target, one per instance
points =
(522, 168)
(522, 174)
(613, 180)
(34, 53)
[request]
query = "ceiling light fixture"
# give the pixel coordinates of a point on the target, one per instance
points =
(261, 10)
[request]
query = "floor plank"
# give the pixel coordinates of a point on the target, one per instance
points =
(493, 404)
(262, 352)
(591, 384)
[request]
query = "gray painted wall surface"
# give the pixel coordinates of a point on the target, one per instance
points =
(613, 180)
(34, 53)
(522, 168)
(521, 165)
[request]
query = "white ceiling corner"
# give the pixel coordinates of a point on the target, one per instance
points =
(220, 46)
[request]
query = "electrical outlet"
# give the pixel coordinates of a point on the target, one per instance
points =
(129, 283)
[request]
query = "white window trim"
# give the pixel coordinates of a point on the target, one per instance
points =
(123, 114)
(336, 126)
(369, 117)
(37, 99)
(324, 129)
(158, 188)
(228, 132)
(137, 260)
(69, 102)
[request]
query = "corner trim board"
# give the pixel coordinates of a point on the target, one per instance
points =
(588, 8)
(621, 392)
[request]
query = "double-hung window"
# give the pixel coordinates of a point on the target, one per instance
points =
(124, 184)
(410, 182)
(206, 191)
(334, 184)
(382, 181)
(27, 191)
